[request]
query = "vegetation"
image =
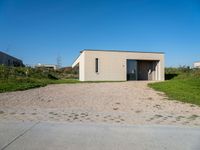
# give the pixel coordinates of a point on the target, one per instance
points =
(182, 84)
(22, 78)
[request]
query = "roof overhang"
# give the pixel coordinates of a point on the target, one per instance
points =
(77, 61)
(122, 51)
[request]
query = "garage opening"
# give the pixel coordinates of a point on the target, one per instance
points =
(142, 69)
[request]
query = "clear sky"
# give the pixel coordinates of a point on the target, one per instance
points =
(38, 31)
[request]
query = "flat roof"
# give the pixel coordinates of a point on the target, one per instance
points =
(119, 51)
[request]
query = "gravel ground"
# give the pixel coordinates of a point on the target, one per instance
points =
(120, 102)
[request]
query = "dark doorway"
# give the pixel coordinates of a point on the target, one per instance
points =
(145, 70)
(141, 70)
(131, 69)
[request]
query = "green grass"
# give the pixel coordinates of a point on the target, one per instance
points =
(182, 88)
(28, 83)
(23, 78)
(20, 84)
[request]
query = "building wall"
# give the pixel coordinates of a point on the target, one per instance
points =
(82, 67)
(197, 65)
(8, 60)
(47, 66)
(112, 65)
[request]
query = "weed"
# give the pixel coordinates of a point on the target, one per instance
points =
(158, 116)
(193, 117)
(115, 108)
(1, 112)
(138, 111)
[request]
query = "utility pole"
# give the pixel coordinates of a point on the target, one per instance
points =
(59, 61)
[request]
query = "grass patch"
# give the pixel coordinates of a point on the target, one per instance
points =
(14, 86)
(23, 78)
(20, 84)
(28, 83)
(193, 117)
(183, 89)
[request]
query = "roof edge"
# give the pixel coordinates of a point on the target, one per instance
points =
(120, 51)
(11, 56)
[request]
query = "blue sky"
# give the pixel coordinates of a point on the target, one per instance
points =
(38, 31)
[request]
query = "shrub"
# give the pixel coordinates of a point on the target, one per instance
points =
(52, 77)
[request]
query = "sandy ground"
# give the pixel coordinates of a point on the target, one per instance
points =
(120, 102)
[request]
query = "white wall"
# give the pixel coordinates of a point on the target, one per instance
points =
(197, 65)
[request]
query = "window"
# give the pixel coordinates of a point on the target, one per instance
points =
(96, 65)
(9, 62)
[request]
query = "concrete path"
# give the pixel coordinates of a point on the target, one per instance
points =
(81, 136)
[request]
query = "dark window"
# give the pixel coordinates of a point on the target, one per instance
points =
(9, 62)
(96, 65)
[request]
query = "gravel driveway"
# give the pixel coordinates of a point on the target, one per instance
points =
(121, 102)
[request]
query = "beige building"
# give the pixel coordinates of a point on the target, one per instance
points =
(47, 66)
(110, 65)
(197, 64)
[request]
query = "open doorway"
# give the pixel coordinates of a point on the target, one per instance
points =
(141, 69)
(132, 70)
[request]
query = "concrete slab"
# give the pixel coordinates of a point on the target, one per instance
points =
(74, 136)
(10, 130)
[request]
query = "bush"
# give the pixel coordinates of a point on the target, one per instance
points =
(181, 72)
(52, 77)
(38, 73)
